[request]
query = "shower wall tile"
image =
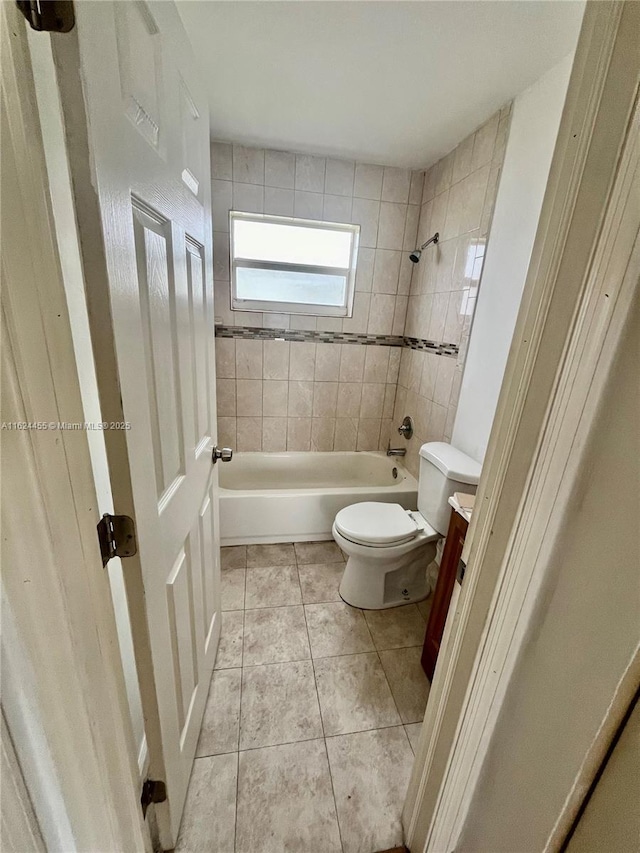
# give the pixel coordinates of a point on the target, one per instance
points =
(458, 197)
(307, 204)
(299, 434)
(302, 361)
(322, 433)
(276, 359)
(249, 397)
(221, 161)
(327, 364)
(368, 181)
(278, 202)
(396, 184)
(339, 177)
(279, 169)
(249, 434)
(337, 208)
(391, 225)
(274, 434)
(277, 395)
(346, 434)
(248, 165)
(310, 173)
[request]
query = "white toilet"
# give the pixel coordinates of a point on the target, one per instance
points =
(389, 548)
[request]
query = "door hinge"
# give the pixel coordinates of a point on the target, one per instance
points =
(153, 791)
(117, 537)
(50, 16)
(462, 568)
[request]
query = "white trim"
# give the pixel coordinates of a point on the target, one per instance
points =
(303, 308)
(561, 331)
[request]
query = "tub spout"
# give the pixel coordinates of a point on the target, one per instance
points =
(396, 451)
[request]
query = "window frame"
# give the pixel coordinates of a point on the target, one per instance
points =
(309, 309)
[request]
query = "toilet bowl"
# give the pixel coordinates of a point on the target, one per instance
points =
(388, 547)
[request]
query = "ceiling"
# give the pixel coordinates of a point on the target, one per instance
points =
(391, 82)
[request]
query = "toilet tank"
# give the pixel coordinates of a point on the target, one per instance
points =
(444, 470)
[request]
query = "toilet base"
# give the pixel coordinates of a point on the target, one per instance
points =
(376, 584)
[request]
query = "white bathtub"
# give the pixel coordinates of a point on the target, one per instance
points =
(294, 497)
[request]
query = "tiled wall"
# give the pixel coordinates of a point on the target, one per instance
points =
(276, 395)
(281, 395)
(458, 199)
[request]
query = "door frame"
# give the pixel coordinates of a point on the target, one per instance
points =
(64, 695)
(563, 343)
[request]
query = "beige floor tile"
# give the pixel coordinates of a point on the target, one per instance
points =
(279, 705)
(413, 733)
(208, 821)
(230, 648)
(320, 581)
(425, 607)
(318, 552)
(285, 801)
(275, 634)
(272, 587)
(397, 627)
(221, 722)
(232, 589)
(409, 684)
(336, 629)
(370, 772)
(259, 556)
(233, 557)
(354, 694)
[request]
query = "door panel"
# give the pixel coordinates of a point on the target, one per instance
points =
(180, 611)
(158, 310)
(147, 131)
(210, 577)
(198, 316)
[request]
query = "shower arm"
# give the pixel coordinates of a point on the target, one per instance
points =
(434, 239)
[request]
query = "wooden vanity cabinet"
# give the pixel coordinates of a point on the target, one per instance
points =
(444, 589)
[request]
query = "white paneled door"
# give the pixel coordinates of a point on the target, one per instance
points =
(148, 139)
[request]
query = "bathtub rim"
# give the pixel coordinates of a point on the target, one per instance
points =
(408, 481)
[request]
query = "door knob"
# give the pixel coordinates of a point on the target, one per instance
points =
(223, 453)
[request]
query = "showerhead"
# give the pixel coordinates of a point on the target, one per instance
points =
(414, 257)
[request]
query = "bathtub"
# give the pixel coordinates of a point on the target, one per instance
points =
(294, 497)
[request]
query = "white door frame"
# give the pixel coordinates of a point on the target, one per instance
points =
(64, 694)
(581, 280)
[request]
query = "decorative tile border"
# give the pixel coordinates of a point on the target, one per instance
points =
(432, 346)
(261, 334)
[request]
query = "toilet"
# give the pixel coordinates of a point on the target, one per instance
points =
(388, 547)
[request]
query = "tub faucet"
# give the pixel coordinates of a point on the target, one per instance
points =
(395, 451)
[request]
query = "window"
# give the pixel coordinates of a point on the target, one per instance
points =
(292, 266)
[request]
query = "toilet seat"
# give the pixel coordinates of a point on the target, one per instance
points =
(375, 524)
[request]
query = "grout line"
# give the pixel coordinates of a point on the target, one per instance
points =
(235, 825)
(365, 731)
(390, 689)
(308, 740)
(324, 737)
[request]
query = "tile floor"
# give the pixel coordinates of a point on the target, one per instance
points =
(313, 713)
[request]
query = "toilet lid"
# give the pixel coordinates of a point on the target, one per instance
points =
(374, 523)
